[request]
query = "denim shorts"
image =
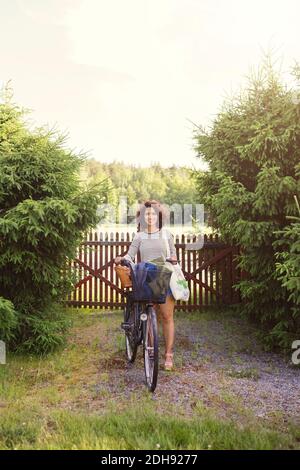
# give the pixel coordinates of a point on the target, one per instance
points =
(169, 292)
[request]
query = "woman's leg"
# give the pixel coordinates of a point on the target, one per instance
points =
(167, 316)
(158, 314)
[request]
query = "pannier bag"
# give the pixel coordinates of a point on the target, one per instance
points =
(150, 282)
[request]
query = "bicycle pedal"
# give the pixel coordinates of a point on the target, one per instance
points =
(125, 326)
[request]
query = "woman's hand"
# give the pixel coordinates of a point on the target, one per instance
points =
(118, 260)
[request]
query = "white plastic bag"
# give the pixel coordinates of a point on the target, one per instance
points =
(178, 284)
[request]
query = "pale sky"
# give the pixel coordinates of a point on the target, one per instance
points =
(124, 77)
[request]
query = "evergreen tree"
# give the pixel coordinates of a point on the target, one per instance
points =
(288, 269)
(44, 210)
(253, 152)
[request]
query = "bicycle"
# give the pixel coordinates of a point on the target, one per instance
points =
(140, 326)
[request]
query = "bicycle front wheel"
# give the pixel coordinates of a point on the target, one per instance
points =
(130, 331)
(150, 346)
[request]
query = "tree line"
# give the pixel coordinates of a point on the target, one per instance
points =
(171, 185)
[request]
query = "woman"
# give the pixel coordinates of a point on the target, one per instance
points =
(150, 240)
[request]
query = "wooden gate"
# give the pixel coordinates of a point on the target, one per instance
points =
(210, 271)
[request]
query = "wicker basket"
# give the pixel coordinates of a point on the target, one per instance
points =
(123, 273)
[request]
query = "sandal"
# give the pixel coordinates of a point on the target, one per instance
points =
(169, 361)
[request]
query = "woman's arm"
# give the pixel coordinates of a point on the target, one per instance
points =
(172, 246)
(132, 251)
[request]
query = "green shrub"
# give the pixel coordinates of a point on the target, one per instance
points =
(253, 152)
(288, 270)
(44, 211)
(8, 320)
(45, 331)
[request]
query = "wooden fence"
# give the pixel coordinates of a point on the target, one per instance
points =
(210, 271)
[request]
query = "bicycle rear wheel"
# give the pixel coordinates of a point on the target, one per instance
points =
(150, 346)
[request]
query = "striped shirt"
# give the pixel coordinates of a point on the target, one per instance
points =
(151, 245)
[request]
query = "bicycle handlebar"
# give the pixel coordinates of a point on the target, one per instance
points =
(125, 262)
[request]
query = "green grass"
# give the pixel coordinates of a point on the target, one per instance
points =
(62, 401)
(134, 429)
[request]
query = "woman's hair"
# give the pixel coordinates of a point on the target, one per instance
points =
(159, 208)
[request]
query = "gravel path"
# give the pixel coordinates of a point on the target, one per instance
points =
(220, 366)
(265, 382)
